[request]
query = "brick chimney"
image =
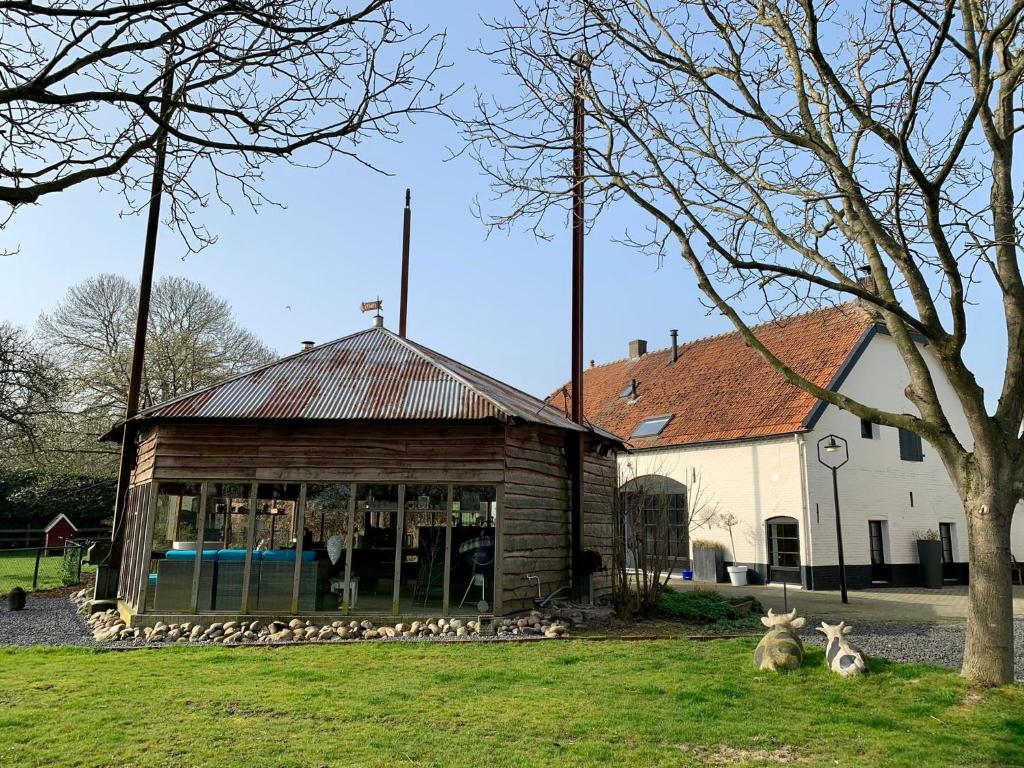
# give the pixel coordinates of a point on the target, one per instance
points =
(637, 348)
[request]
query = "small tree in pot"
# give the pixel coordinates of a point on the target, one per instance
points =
(737, 573)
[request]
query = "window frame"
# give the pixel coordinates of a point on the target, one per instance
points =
(911, 445)
(666, 418)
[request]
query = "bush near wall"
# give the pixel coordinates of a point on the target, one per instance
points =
(34, 498)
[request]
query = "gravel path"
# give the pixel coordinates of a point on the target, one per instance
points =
(938, 644)
(44, 621)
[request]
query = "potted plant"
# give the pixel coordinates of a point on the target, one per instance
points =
(737, 573)
(708, 560)
(929, 555)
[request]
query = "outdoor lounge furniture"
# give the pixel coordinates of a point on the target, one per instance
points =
(173, 589)
(230, 577)
(222, 578)
(276, 578)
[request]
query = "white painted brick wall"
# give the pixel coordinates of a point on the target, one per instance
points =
(754, 479)
(876, 484)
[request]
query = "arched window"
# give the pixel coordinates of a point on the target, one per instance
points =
(654, 521)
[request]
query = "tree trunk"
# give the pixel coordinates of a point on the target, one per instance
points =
(988, 653)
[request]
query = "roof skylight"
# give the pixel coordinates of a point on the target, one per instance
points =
(652, 427)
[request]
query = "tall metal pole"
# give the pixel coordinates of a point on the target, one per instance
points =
(406, 229)
(839, 535)
(576, 456)
(127, 462)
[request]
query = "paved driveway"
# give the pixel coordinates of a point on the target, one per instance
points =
(891, 604)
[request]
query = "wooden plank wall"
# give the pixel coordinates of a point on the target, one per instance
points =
(535, 519)
(135, 557)
(416, 452)
(600, 474)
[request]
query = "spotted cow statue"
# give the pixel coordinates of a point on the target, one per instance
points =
(841, 656)
(781, 649)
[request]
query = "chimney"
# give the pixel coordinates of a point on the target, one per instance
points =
(867, 280)
(675, 344)
(378, 321)
(637, 348)
(307, 345)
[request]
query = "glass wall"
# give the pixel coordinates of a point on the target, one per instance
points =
(280, 548)
(173, 551)
(474, 514)
(277, 521)
(423, 548)
(373, 548)
(226, 531)
(328, 518)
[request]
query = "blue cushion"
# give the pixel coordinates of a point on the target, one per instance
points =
(287, 555)
(231, 555)
(190, 554)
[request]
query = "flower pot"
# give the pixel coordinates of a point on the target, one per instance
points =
(737, 575)
(708, 564)
(687, 575)
(929, 554)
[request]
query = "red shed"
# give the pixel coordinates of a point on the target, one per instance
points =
(59, 530)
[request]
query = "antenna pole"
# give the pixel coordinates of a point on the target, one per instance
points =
(403, 310)
(577, 451)
(128, 436)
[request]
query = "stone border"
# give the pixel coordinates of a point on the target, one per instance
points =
(108, 627)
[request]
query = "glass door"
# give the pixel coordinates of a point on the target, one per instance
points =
(881, 571)
(783, 550)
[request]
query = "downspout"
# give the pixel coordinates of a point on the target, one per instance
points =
(801, 448)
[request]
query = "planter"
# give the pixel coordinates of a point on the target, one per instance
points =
(738, 575)
(687, 575)
(929, 554)
(708, 564)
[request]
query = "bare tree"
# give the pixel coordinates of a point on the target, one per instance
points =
(304, 80)
(30, 386)
(656, 518)
(193, 341)
(779, 146)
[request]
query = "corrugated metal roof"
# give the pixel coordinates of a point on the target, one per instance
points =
(372, 374)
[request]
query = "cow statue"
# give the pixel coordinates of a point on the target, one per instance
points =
(780, 650)
(841, 656)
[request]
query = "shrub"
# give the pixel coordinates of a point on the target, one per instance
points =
(706, 544)
(698, 605)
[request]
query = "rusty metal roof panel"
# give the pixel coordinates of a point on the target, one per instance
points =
(373, 374)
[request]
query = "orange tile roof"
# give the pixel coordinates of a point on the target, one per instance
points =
(719, 388)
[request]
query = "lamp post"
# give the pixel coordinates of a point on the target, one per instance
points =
(833, 453)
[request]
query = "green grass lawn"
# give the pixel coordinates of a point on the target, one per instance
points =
(663, 703)
(17, 567)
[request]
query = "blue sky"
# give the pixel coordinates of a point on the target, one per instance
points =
(498, 303)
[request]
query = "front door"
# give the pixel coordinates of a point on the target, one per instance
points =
(783, 550)
(881, 571)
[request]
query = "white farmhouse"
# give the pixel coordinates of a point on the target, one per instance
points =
(713, 409)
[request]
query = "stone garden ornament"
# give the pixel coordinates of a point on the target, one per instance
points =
(841, 656)
(781, 649)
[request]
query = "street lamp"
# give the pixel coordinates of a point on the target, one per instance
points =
(833, 453)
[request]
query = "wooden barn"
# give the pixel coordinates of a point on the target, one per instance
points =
(59, 530)
(366, 476)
